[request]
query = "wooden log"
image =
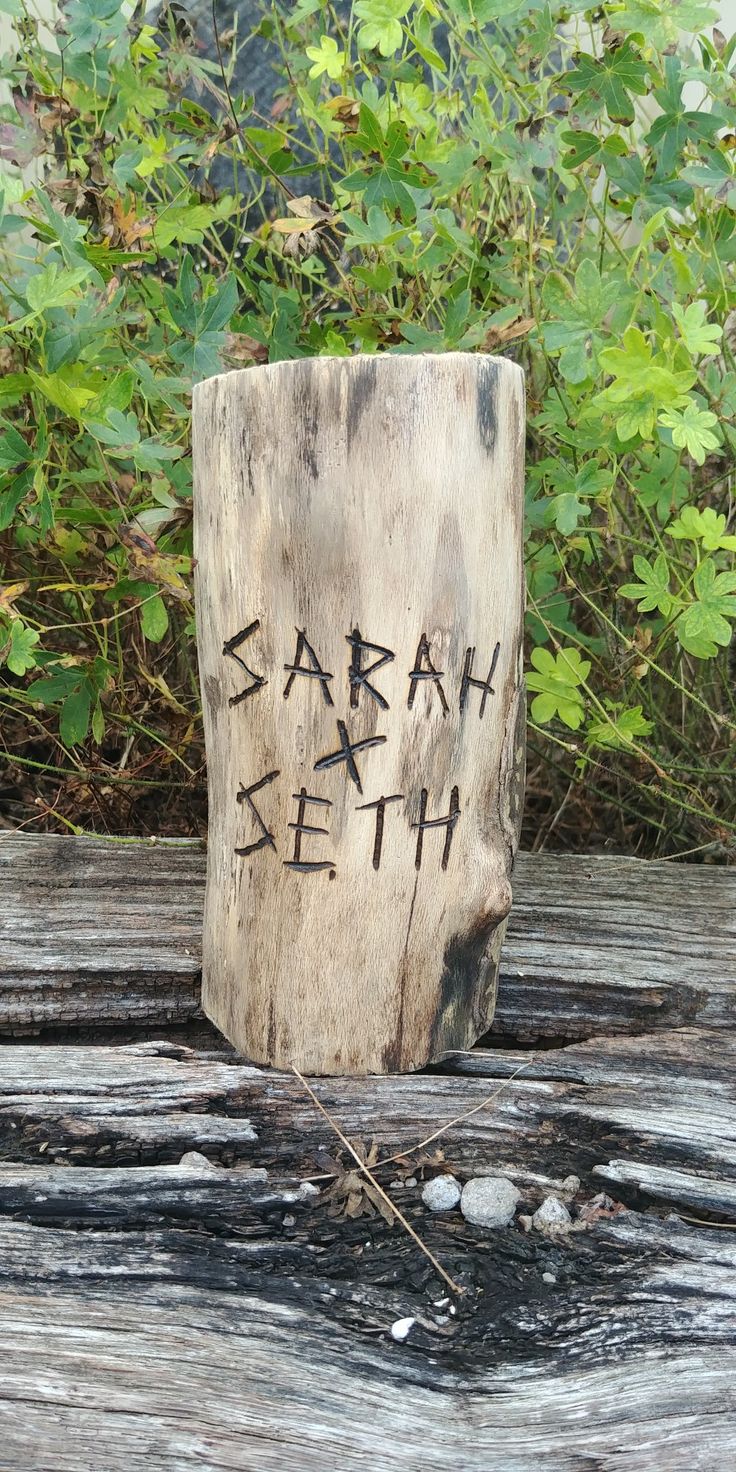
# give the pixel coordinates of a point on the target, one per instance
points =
(358, 536)
(105, 937)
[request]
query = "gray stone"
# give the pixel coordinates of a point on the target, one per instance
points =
(552, 1217)
(441, 1193)
(197, 1163)
(308, 1190)
(489, 1201)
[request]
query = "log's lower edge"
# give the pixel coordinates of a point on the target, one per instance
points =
(467, 1002)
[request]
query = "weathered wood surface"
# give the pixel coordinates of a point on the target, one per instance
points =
(664, 1101)
(359, 518)
(106, 936)
(213, 1314)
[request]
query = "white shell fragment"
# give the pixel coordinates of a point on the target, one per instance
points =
(401, 1329)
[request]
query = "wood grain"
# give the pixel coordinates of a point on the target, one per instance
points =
(358, 536)
(105, 937)
(216, 1316)
(159, 1317)
(665, 1100)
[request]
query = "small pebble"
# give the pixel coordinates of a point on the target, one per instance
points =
(307, 1190)
(401, 1329)
(489, 1201)
(289, 1220)
(548, 1278)
(571, 1185)
(410, 1181)
(552, 1217)
(194, 1161)
(441, 1193)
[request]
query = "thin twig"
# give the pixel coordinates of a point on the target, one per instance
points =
(698, 1222)
(407, 1225)
(412, 1149)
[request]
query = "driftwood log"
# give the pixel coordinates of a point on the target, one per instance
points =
(360, 593)
(175, 1290)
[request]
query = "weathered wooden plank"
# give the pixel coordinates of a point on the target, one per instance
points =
(139, 1350)
(663, 1100)
(96, 933)
(192, 1191)
(682, 1188)
(220, 1318)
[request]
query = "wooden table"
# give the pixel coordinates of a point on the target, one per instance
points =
(215, 1315)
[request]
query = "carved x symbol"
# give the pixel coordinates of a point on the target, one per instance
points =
(346, 753)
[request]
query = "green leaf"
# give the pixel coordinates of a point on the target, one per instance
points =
(676, 126)
(701, 338)
(56, 686)
(63, 391)
(52, 287)
(692, 430)
(69, 233)
(11, 498)
(154, 619)
(653, 589)
(622, 730)
(707, 526)
(187, 223)
(661, 23)
(705, 624)
(582, 147)
(74, 718)
(558, 678)
(327, 58)
(116, 394)
(381, 29)
(644, 383)
(663, 483)
(610, 81)
(575, 328)
(202, 319)
(20, 656)
(98, 723)
(567, 510)
(13, 388)
(121, 435)
(13, 449)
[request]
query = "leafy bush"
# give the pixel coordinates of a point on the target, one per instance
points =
(550, 181)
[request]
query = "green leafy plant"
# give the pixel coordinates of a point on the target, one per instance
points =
(429, 176)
